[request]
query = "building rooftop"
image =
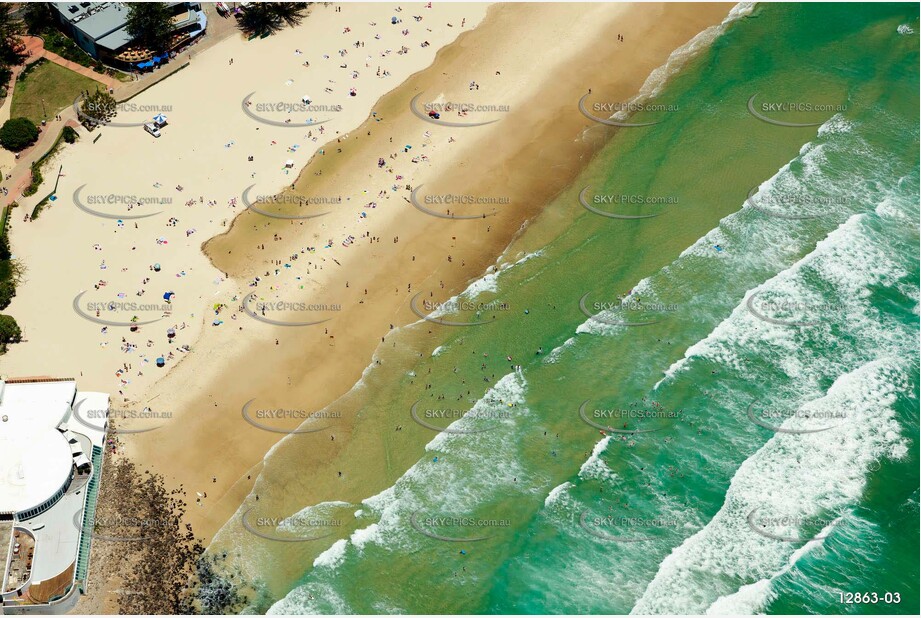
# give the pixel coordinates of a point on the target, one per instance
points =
(115, 40)
(35, 458)
(51, 441)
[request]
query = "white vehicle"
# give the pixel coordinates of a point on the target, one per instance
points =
(152, 129)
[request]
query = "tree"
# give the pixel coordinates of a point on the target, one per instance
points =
(70, 134)
(269, 17)
(18, 133)
(9, 330)
(7, 292)
(11, 46)
(151, 24)
(5, 252)
(97, 108)
(37, 17)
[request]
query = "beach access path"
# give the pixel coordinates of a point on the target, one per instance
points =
(20, 170)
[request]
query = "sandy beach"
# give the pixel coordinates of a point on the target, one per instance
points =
(363, 261)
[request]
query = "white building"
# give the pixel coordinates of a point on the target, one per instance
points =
(50, 466)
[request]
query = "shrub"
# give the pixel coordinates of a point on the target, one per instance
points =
(9, 330)
(18, 133)
(70, 134)
(37, 180)
(7, 292)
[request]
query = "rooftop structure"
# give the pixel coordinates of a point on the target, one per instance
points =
(100, 28)
(51, 447)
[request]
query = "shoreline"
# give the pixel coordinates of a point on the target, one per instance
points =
(233, 366)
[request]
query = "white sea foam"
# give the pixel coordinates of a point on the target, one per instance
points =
(794, 476)
(751, 598)
(488, 282)
(594, 466)
(557, 352)
(659, 77)
(557, 493)
(317, 511)
(318, 598)
(333, 556)
(363, 536)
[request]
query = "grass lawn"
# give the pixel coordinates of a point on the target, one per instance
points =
(53, 83)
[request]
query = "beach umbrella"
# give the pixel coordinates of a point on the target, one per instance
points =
(161, 361)
(157, 267)
(159, 119)
(168, 295)
(170, 332)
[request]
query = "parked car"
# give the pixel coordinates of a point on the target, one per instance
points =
(152, 129)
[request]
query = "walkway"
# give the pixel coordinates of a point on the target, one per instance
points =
(35, 48)
(219, 28)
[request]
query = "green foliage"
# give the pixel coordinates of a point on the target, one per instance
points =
(11, 28)
(18, 133)
(70, 134)
(7, 292)
(37, 17)
(9, 330)
(97, 107)
(151, 24)
(66, 48)
(24, 74)
(265, 18)
(37, 180)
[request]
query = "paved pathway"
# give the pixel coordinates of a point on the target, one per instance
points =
(219, 28)
(35, 48)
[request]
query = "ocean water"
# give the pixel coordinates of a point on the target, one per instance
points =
(735, 430)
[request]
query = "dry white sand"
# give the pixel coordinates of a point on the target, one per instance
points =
(205, 150)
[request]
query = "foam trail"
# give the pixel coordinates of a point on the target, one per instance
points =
(750, 599)
(794, 478)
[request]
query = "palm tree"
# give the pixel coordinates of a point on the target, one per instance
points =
(264, 18)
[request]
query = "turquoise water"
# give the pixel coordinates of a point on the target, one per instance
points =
(806, 322)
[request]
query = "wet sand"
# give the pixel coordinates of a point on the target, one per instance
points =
(533, 152)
